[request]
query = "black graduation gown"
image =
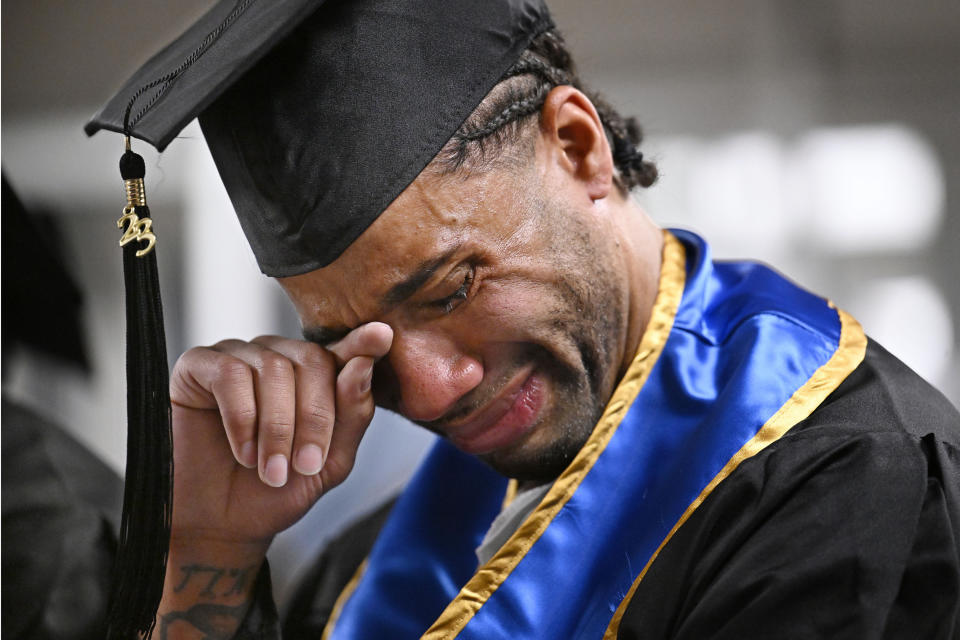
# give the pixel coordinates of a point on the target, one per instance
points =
(847, 527)
(61, 508)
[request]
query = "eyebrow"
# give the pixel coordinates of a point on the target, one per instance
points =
(394, 296)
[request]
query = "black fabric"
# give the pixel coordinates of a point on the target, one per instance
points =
(160, 112)
(42, 304)
(847, 527)
(141, 561)
(318, 591)
(317, 127)
(262, 621)
(61, 507)
(323, 134)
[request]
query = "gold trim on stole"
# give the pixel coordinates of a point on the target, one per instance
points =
(492, 574)
(848, 356)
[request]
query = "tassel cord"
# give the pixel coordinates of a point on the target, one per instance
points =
(140, 564)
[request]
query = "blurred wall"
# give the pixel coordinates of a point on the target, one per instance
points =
(820, 137)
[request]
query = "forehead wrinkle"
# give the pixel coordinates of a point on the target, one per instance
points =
(450, 203)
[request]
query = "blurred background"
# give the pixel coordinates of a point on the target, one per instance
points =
(820, 137)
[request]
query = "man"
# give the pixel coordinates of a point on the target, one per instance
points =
(710, 451)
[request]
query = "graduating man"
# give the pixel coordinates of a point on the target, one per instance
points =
(634, 440)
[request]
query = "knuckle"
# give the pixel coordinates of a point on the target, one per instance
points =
(275, 365)
(318, 417)
(367, 411)
(180, 367)
(365, 416)
(239, 414)
(192, 358)
(278, 430)
(317, 362)
(179, 388)
(192, 354)
(359, 413)
(232, 370)
(224, 345)
(313, 355)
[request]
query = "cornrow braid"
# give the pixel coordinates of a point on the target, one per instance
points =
(520, 108)
(518, 98)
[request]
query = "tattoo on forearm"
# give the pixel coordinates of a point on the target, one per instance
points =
(238, 579)
(241, 578)
(214, 621)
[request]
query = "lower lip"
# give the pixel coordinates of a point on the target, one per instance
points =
(512, 425)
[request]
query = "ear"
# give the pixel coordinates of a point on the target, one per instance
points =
(574, 135)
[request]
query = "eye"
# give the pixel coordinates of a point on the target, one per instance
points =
(448, 303)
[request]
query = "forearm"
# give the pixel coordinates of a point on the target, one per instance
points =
(208, 589)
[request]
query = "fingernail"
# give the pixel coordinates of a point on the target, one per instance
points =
(309, 460)
(367, 380)
(248, 454)
(275, 471)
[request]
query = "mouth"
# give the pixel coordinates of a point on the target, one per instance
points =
(504, 420)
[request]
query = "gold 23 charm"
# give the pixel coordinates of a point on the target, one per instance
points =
(136, 229)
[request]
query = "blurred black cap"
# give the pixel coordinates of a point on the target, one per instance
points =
(41, 302)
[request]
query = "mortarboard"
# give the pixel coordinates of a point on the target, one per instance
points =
(318, 115)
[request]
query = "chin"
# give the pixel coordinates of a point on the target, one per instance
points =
(536, 462)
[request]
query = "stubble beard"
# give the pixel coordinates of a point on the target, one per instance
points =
(589, 312)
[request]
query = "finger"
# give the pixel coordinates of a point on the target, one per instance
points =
(372, 339)
(315, 372)
(275, 390)
(206, 378)
(354, 411)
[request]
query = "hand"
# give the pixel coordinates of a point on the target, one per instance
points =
(263, 428)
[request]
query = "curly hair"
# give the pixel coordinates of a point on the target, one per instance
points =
(502, 117)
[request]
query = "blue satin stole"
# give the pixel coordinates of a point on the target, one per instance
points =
(743, 340)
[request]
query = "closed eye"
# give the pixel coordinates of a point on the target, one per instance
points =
(448, 303)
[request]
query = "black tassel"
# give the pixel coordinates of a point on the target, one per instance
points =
(141, 559)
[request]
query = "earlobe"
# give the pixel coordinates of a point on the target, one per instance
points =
(573, 130)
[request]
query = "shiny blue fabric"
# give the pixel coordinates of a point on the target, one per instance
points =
(743, 341)
(425, 552)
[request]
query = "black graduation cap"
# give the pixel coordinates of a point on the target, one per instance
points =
(318, 115)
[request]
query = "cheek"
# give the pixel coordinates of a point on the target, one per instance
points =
(519, 310)
(511, 301)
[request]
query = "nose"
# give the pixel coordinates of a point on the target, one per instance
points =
(429, 374)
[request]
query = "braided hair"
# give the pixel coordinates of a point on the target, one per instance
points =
(498, 124)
